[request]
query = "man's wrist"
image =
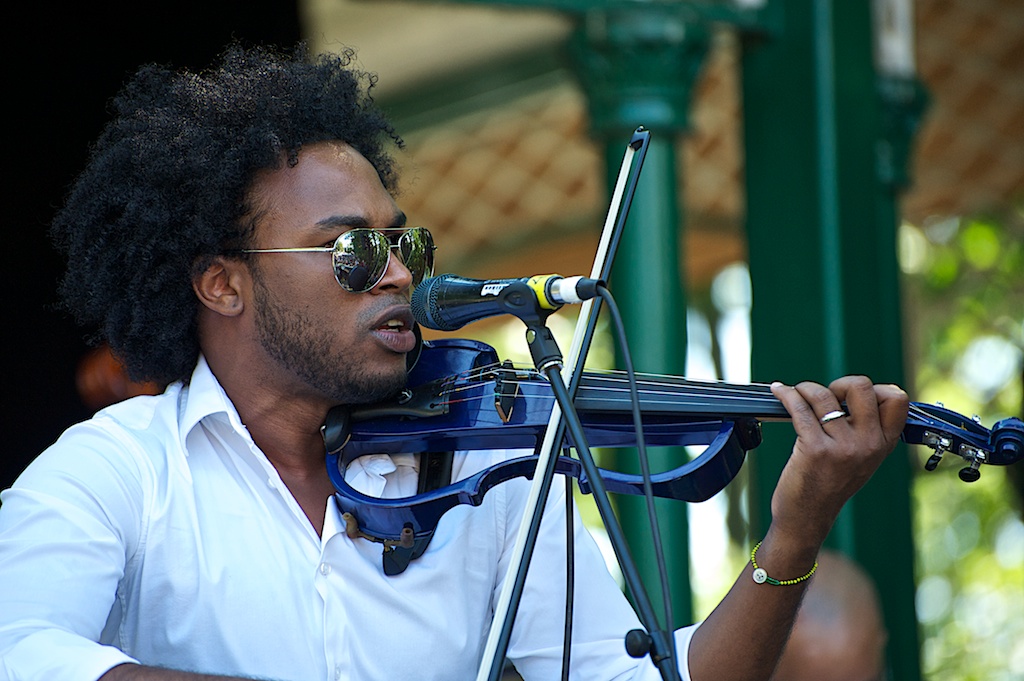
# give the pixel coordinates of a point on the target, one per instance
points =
(787, 554)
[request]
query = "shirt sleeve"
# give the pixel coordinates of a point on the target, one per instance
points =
(601, 614)
(68, 527)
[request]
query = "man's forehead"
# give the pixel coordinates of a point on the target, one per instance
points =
(331, 185)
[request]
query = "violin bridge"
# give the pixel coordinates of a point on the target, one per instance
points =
(505, 391)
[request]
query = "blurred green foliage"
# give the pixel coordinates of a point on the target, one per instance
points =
(964, 302)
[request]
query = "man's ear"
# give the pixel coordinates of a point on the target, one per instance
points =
(220, 286)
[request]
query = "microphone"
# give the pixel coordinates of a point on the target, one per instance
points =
(448, 302)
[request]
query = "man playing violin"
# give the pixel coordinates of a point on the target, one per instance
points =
(235, 237)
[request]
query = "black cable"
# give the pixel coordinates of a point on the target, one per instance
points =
(638, 144)
(641, 448)
(570, 577)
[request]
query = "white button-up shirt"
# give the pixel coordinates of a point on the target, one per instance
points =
(158, 532)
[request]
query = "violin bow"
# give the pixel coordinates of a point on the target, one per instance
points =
(515, 577)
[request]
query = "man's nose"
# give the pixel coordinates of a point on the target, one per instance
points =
(397, 276)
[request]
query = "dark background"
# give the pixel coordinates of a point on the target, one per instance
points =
(65, 61)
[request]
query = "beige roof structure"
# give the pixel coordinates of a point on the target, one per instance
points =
(516, 185)
(970, 151)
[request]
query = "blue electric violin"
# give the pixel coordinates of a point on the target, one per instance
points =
(461, 397)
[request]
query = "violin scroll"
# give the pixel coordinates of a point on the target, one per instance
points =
(1009, 438)
(946, 431)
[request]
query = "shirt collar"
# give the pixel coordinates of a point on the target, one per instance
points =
(205, 397)
(202, 397)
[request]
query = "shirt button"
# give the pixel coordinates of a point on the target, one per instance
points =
(325, 569)
(271, 484)
(337, 672)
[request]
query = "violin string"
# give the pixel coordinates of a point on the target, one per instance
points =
(680, 386)
(919, 411)
(614, 375)
(927, 418)
(617, 399)
(463, 400)
(648, 390)
(703, 386)
(682, 390)
(708, 388)
(650, 383)
(700, 389)
(924, 416)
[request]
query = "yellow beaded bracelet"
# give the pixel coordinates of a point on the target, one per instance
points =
(761, 576)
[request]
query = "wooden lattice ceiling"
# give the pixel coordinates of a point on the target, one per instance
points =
(517, 186)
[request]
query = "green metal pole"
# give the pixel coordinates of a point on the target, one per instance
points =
(637, 68)
(646, 284)
(637, 62)
(822, 256)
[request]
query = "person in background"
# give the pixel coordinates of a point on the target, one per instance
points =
(839, 633)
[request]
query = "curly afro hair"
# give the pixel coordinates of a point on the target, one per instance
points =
(165, 189)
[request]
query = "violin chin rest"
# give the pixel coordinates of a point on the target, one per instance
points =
(337, 429)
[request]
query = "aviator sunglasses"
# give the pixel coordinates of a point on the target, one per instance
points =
(361, 256)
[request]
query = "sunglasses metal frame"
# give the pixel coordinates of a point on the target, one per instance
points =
(336, 249)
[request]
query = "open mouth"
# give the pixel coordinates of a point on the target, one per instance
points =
(395, 330)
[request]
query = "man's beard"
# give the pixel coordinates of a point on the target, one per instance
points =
(293, 342)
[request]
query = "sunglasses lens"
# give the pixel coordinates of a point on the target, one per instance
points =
(417, 249)
(360, 259)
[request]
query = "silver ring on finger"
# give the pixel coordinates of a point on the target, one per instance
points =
(832, 416)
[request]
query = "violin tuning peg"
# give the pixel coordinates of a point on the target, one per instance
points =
(933, 461)
(971, 473)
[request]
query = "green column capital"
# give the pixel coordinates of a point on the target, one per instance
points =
(638, 67)
(904, 101)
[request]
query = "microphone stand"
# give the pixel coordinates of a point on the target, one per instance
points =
(656, 642)
(638, 643)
